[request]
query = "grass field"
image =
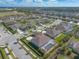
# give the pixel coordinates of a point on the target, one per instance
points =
(60, 37)
(2, 14)
(0, 56)
(63, 57)
(75, 39)
(3, 54)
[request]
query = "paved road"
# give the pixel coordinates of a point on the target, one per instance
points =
(6, 37)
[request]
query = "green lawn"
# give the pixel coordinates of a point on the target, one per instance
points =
(11, 53)
(0, 56)
(3, 14)
(63, 57)
(3, 53)
(75, 39)
(60, 37)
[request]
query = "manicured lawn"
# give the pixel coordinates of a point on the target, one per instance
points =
(63, 57)
(11, 53)
(7, 13)
(0, 56)
(3, 53)
(75, 39)
(60, 37)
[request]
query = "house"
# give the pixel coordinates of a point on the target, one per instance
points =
(57, 29)
(51, 43)
(42, 41)
(66, 26)
(54, 31)
(76, 32)
(76, 47)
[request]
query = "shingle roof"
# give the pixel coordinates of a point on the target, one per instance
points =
(77, 47)
(40, 39)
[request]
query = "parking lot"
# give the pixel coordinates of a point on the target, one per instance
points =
(8, 38)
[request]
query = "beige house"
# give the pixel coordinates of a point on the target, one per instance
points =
(42, 41)
(39, 39)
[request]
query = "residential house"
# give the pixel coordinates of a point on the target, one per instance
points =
(42, 41)
(57, 29)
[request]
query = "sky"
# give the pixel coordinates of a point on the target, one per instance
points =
(39, 3)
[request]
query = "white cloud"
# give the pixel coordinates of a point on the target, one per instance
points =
(53, 0)
(27, 0)
(38, 0)
(10, 0)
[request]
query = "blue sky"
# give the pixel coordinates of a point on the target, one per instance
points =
(39, 3)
